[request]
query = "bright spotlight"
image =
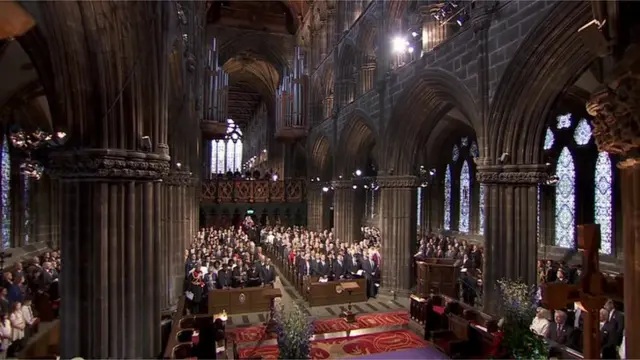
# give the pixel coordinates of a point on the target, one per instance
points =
(275, 177)
(317, 179)
(358, 172)
(399, 45)
(410, 50)
(414, 34)
(325, 189)
(355, 187)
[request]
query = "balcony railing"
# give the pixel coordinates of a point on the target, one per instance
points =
(253, 191)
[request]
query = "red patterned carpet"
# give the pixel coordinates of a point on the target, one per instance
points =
(256, 333)
(347, 347)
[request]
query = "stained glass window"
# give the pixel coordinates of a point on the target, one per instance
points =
(419, 206)
(603, 201)
(456, 153)
(447, 198)
(5, 189)
(465, 193)
(564, 121)
(539, 207)
(27, 208)
(548, 139)
(582, 134)
(474, 150)
(226, 155)
(481, 210)
(464, 141)
(565, 200)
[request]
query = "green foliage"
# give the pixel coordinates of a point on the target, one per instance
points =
(518, 309)
(294, 330)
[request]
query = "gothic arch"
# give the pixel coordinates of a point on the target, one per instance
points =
(367, 32)
(551, 58)
(321, 158)
(348, 56)
(424, 102)
(356, 143)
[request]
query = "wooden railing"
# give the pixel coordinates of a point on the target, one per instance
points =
(253, 191)
(175, 327)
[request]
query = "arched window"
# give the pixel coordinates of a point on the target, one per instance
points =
(465, 194)
(565, 200)
(481, 210)
(603, 201)
(226, 154)
(5, 190)
(447, 198)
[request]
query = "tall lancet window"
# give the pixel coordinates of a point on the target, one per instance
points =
(226, 154)
(603, 201)
(565, 200)
(447, 198)
(481, 196)
(5, 190)
(465, 195)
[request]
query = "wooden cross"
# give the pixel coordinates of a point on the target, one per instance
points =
(592, 291)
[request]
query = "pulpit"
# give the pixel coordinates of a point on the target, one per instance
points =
(349, 287)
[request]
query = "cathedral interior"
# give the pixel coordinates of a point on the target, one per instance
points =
(128, 126)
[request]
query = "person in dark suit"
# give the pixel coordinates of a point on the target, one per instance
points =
(339, 270)
(306, 269)
(267, 273)
(322, 266)
(618, 318)
(190, 264)
(370, 272)
(352, 264)
(239, 275)
(608, 335)
(224, 277)
(560, 331)
(253, 277)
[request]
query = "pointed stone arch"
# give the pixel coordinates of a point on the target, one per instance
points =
(357, 141)
(432, 95)
(548, 61)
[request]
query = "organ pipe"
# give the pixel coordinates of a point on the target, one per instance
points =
(216, 88)
(290, 96)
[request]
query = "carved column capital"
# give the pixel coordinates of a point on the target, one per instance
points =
(616, 112)
(179, 178)
(482, 14)
(399, 181)
(108, 164)
(512, 174)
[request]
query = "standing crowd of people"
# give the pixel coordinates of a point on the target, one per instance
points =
(21, 284)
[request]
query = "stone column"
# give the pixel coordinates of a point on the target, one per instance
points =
(344, 217)
(110, 231)
(331, 33)
(367, 76)
(316, 204)
(511, 198)
(398, 231)
(616, 131)
(323, 40)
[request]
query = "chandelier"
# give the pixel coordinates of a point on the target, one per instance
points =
(31, 145)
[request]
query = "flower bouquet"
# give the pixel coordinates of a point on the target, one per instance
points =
(518, 309)
(294, 331)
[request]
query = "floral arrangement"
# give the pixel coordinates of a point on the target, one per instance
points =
(294, 331)
(518, 309)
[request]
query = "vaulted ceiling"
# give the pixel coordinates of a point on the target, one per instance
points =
(256, 40)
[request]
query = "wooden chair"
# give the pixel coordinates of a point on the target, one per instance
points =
(188, 323)
(182, 351)
(185, 335)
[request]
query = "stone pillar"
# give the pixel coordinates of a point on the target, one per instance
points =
(398, 230)
(314, 205)
(110, 230)
(344, 217)
(323, 41)
(616, 131)
(331, 33)
(367, 77)
(511, 198)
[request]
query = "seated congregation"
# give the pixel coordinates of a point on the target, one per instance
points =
(28, 295)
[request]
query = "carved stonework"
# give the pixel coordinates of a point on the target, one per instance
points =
(179, 178)
(512, 177)
(402, 182)
(108, 164)
(616, 123)
(342, 184)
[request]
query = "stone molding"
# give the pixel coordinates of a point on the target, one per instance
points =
(616, 123)
(180, 178)
(112, 164)
(512, 174)
(400, 181)
(342, 184)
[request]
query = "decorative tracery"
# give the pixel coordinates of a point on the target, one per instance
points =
(564, 121)
(226, 154)
(565, 200)
(582, 134)
(548, 139)
(5, 189)
(447, 198)
(603, 201)
(465, 194)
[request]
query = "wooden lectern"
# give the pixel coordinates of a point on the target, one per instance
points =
(589, 293)
(349, 287)
(271, 294)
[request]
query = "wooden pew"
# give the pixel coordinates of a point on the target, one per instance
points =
(172, 341)
(238, 301)
(323, 294)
